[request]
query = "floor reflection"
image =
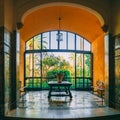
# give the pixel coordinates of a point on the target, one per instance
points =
(83, 104)
(39, 99)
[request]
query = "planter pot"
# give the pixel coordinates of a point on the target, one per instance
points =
(59, 77)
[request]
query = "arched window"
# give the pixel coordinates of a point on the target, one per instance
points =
(54, 51)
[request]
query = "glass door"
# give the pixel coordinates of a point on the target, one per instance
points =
(83, 71)
(33, 71)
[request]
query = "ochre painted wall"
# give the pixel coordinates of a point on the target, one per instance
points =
(98, 59)
(21, 74)
(73, 19)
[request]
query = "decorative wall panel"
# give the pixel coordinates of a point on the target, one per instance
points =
(7, 70)
(117, 71)
(1, 71)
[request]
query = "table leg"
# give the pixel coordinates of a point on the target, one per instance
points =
(70, 94)
(49, 94)
(66, 90)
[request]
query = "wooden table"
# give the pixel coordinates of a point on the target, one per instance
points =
(60, 89)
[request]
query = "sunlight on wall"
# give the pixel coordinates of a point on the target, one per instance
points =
(98, 59)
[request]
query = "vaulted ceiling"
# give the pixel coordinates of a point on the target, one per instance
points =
(73, 19)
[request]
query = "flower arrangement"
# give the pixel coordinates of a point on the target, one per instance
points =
(100, 84)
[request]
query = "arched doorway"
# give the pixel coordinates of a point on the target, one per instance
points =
(83, 23)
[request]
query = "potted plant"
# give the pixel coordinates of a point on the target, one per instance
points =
(60, 76)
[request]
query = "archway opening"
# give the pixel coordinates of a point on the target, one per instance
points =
(73, 19)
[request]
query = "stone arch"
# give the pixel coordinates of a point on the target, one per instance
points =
(99, 37)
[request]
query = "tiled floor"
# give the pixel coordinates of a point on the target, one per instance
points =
(83, 104)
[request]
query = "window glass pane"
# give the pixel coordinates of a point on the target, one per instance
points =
(79, 65)
(87, 65)
(37, 42)
(77, 42)
(6, 69)
(79, 83)
(7, 37)
(45, 40)
(29, 83)
(37, 83)
(7, 85)
(49, 62)
(87, 83)
(37, 65)
(54, 43)
(6, 49)
(63, 43)
(29, 44)
(45, 84)
(71, 41)
(29, 65)
(81, 43)
(86, 45)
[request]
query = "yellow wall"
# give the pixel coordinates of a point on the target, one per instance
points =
(73, 19)
(98, 59)
(21, 74)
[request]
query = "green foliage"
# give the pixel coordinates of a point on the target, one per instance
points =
(52, 65)
(50, 60)
(45, 85)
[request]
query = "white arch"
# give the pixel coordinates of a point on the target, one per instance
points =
(100, 18)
